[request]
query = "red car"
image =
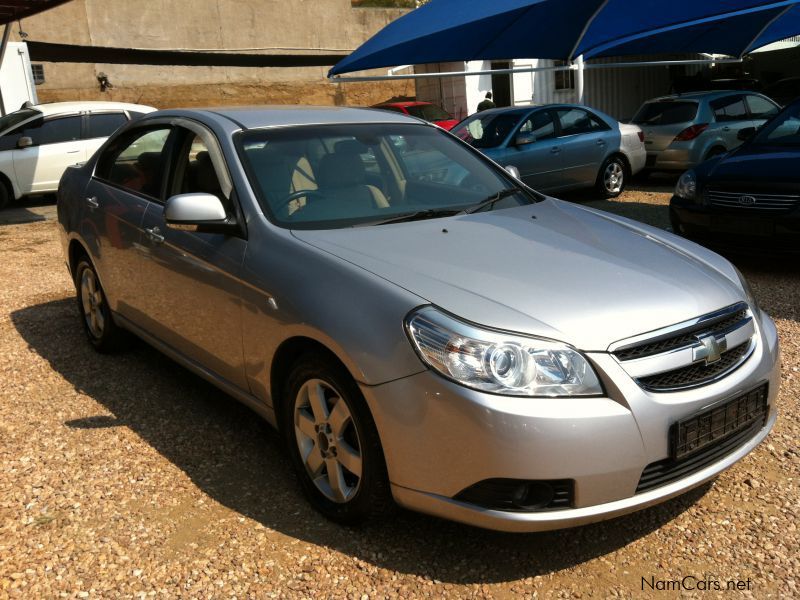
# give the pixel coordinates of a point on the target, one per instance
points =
(422, 110)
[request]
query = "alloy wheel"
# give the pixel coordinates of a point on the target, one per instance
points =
(92, 302)
(614, 178)
(328, 441)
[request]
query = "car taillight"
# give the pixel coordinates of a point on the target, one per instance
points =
(691, 133)
(641, 136)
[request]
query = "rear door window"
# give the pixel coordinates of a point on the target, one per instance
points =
(575, 121)
(730, 108)
(104, 124)
(667, 112)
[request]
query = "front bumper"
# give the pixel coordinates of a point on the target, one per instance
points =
(440, 438)
(736, 229)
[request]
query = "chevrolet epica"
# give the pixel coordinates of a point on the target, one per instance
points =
(420, 326)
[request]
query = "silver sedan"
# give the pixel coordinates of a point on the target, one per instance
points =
(420, 326)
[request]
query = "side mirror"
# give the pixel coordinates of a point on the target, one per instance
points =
(513, 171)
(24, 142)
(203, 213)
(523, 139)
(746, 133)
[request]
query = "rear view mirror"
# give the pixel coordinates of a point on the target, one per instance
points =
(197, 212)
(24, 142)
(523, 139)
(746, 133)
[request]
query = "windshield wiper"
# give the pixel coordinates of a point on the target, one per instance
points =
(419, 215)
(491, 200)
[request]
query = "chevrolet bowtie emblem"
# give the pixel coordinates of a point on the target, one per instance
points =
(709, 349)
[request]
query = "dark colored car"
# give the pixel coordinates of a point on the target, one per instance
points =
(422, 110)
(749, 197)
(784, 91)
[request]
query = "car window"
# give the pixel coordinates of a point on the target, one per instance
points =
(428, 112)
(9, 140)
(17, 117)
(364, 173)
(136, 161)
(731, 108)
(104, 124)
(666, 112)
(54, 131)
(575, 121)
(199, 175)
(540, 125)
(761, 108)
(488, 130)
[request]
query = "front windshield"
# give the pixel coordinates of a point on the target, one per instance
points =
(332, 176)
(783, 130)
(17, 117)
(428, 112)
(488, 130)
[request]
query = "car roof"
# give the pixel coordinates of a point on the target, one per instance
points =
(403, 104)
(259, 117)
(708, 95)
(56, 108)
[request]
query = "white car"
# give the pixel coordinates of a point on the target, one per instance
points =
(38, 143)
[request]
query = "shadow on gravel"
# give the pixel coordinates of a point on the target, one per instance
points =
(29, 210)
(238, 460)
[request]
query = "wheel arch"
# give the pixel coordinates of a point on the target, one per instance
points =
(286, 354)
(8, 182)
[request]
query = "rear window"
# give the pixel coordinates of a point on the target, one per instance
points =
(666, 113)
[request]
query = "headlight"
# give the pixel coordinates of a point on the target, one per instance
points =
(497, 362)
(687, 186)
(748, 291)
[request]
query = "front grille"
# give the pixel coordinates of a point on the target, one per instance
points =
(753, 202)
(686, 337)
(734, 423)
(519, 495)
(698, 373)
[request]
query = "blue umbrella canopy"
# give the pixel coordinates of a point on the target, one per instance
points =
(464, 30)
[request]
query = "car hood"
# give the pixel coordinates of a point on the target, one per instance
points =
(551, 269)
(756, 165)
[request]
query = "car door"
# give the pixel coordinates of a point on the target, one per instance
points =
(585, 143)
(193, 280)
(56, 145)
(730, 117)
(98, 126)
(128, 175)
(539, 160)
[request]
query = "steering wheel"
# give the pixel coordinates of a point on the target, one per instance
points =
(307, 194)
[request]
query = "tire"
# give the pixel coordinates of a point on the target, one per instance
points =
(612, 177)
(5, 195)
(321, 439)
(98, 323)
(716, 151)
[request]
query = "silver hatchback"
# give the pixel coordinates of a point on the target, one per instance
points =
(684, 130)
(419, 325)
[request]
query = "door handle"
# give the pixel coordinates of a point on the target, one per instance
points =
(72, 151)
(155, 236)
(93, 202)
(726, 129)
(600, 142)
(555, 150)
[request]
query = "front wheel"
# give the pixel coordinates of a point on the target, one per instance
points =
(333, 442)
(5, 195)
(612, 177)
(95, 313)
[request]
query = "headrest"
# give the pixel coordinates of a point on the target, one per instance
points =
(150, 161)
(350, 147)
(203, 158)
(341, 170)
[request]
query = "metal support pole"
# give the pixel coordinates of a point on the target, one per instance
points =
(579, 80)
(3, 46)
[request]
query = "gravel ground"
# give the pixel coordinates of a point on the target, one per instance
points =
(127, 476)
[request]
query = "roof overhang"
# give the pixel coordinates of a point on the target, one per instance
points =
(14, 10)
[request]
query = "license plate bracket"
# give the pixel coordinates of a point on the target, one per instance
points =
(692, 434)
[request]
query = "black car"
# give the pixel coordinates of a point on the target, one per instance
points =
(747, 198)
